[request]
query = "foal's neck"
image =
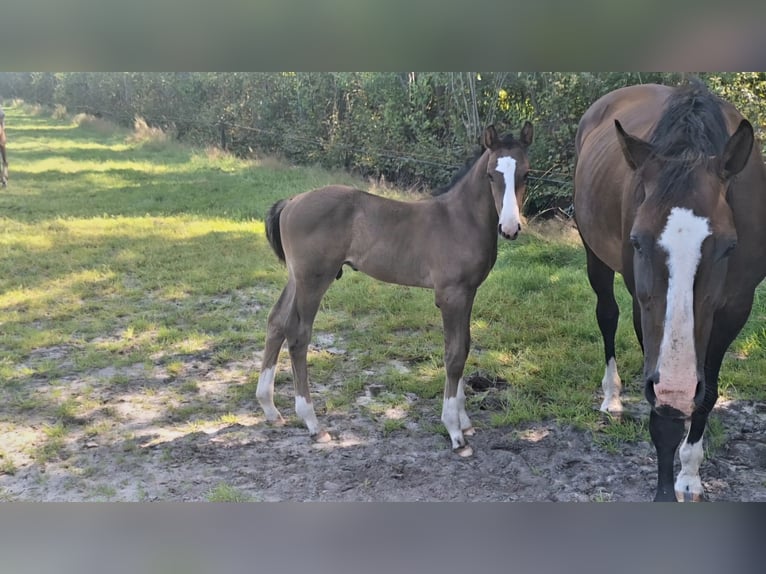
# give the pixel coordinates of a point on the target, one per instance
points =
(473, 192)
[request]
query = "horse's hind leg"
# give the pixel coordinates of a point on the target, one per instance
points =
(4, 175)
(455, 305)
(275, 336)
(305, 304)
(601, 279)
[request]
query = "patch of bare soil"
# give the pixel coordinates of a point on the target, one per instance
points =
(149, 457)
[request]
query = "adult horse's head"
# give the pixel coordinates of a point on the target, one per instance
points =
(507, 171)
(679, 242)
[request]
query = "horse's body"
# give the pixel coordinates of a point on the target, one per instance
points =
(670, 191)
(4, 165)
(447, 243)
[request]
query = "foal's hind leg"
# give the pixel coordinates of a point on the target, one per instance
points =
(275, 336)
(455, 305)
(305, 304)
(601, 279)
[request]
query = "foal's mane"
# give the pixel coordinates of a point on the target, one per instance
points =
(507, 141)
(691, 130)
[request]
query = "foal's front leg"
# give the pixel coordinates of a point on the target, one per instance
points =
(455, 305)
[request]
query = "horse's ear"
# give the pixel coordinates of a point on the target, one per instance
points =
(527, 134)
(489, 138)
(635, 150)
(737, 150)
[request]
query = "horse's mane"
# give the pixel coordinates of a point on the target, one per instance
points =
(507, 140)
(691, 130)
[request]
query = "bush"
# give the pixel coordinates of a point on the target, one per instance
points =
(412, 130)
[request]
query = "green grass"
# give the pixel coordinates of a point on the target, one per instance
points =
(122, 256)
(226, 493)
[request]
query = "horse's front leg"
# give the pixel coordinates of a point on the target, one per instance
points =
(666, 435)
(455, 304)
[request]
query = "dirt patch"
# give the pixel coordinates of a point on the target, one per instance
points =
(148, 455)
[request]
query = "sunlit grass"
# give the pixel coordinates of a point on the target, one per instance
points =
(135, 265)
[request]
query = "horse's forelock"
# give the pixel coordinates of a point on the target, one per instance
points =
(691, 130)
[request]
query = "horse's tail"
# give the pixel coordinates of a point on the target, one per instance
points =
(272, 228)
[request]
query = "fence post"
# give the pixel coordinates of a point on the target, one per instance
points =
(222, 125)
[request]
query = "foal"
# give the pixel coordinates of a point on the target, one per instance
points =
(447, 243)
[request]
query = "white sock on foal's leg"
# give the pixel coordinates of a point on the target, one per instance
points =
(265, 394)
(465, 421)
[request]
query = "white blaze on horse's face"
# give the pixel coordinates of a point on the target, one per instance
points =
(510, 217)
(677, 362)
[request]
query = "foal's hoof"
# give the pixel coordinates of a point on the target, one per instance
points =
(688, 496)
(322, 437)
(278, 422)
(470, 431)
(463, 451)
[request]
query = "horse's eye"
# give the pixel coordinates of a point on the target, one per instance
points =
(490, 177)
(636, 244)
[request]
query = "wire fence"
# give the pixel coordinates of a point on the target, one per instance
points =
(222, 129)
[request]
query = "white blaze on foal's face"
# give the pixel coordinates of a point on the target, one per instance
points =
(510, 218)
(677, 362)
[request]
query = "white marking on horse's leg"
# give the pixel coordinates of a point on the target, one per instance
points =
(510, 217)
(451, 420)
(305, 410)
(688, 484)
(612, 386)
(677, 361)
(465, 421)
(265, 394)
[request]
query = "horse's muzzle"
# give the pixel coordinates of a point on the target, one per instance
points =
(667, 405)
(507, 235)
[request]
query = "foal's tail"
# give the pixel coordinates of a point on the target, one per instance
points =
(272, 228)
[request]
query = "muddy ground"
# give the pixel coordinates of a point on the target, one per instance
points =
(150, 457)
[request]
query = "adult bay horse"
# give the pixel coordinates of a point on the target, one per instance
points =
(447, 243)
(670, 191)
(4, 165)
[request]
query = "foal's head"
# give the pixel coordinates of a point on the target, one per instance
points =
(507, 171)
(680, 242)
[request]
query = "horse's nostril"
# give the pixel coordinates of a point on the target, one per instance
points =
(651, 396)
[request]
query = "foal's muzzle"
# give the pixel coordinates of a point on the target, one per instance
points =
(506, 235)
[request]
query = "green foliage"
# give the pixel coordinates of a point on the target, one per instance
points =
(411, 129)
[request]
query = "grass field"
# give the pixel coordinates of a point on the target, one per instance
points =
(125, 256)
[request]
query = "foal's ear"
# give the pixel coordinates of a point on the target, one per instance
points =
(527, 133)
(489, 138)
(634, 149)
(737, 150)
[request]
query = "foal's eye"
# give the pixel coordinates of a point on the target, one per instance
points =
(636, 244)
(490, 177)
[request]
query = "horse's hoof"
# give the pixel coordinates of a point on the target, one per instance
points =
(470, 431)
(279, 422)
(463, 451)
(322, 437)
(688, 496)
